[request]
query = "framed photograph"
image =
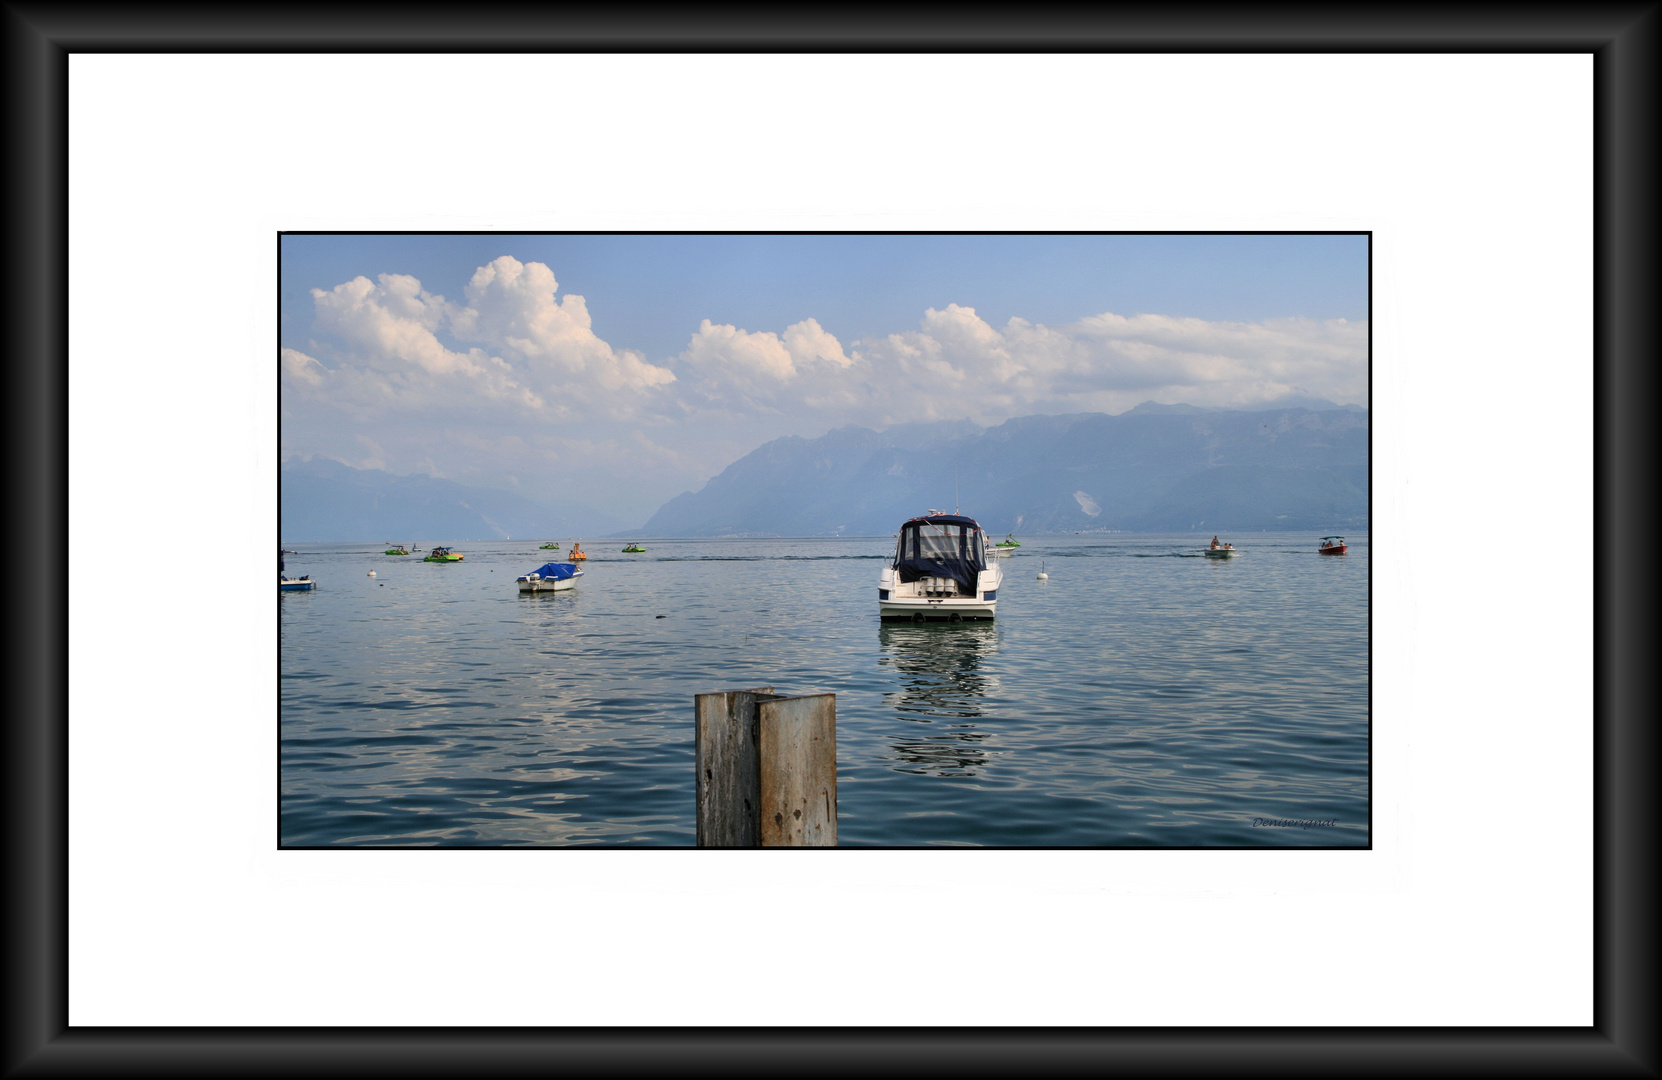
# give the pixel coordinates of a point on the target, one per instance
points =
(828, 506)
(171, 921)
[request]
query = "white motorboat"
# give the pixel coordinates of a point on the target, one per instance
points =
(941, 571)
(551, 577)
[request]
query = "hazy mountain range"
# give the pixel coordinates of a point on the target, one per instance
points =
(320, 499)
(1156, 468)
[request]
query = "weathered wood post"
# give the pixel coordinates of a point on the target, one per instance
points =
(798, 770)
(726, 743)
(767, 769)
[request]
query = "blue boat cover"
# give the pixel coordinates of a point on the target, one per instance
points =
(558, 571)
(941, 545)
(946, 519)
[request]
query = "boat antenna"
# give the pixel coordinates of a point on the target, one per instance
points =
(954, 487)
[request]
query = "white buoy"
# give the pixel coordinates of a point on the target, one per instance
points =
(1042, 575)
(372, 573)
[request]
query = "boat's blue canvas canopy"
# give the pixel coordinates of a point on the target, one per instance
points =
(558, 571)
(947, 519)
(941, 545)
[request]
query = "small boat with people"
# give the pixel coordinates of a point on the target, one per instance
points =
(395, 549)
(1332, 545)
(576, 554)
(941, 571)
(1220, 550)
(442, 554)
(291, 584)
(633, 549)
(550, 546)
(550, 577)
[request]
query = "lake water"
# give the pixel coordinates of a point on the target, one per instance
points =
(1144, 695)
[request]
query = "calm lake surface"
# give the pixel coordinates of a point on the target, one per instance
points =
(1143, 696)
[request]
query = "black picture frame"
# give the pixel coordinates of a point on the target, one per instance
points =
(38, 41)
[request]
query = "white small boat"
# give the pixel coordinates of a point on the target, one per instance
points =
(941, 571)
(1222, 551)
(295, 584)
(551, 577)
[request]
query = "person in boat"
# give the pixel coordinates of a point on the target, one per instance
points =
(1214, 543)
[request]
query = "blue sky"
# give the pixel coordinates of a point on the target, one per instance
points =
(619, 371)
(649, 292)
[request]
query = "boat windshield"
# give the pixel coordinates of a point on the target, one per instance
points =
(928, 548)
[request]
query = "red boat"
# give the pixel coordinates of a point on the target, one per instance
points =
(1332, 545)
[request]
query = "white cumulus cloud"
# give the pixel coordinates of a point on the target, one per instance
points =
(804, 367)
(389, 324)
(512, 307)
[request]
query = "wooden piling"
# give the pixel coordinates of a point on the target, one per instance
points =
(767, 769)
(726, 747)
(798, 770)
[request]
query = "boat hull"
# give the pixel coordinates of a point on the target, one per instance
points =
(1221, 553)
(296, 586)
(938, 599)
(547, 585)
(1340, 550)
(937, 609)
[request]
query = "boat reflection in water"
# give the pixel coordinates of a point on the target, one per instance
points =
(941, 689)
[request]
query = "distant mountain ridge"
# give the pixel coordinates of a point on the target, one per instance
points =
(324, 500)
(1154, 468)
(1165, 468)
